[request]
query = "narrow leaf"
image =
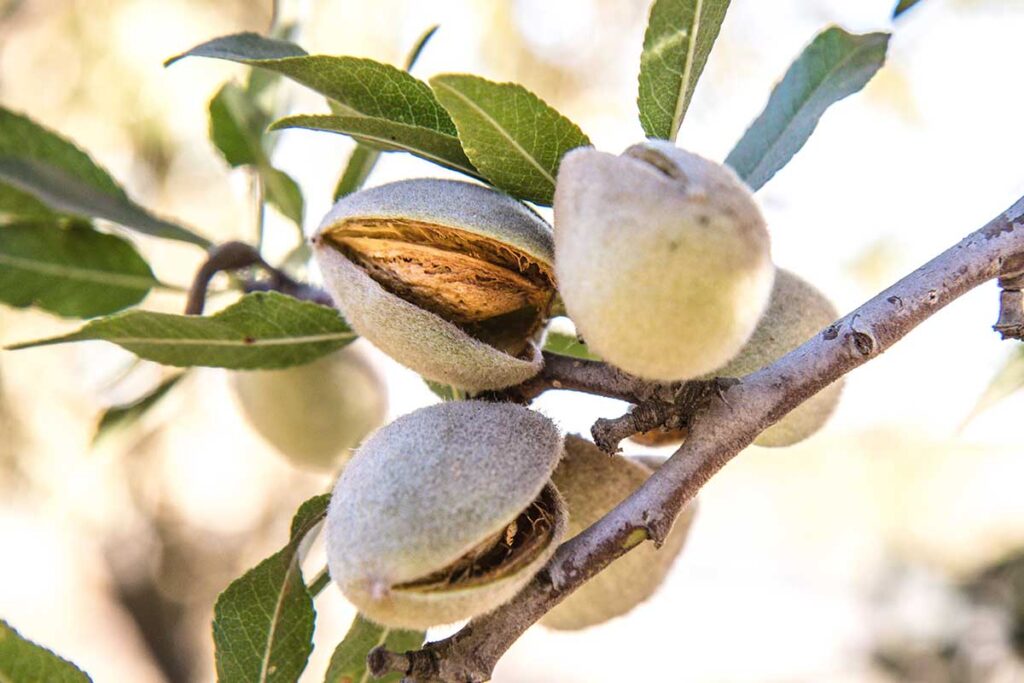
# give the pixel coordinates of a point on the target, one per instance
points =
(67, 194)
(37, 162)
(260, 80)
(261, 330)
(362, 86)
(22, 661)
(241, 47)
(359, 167)
(567, 345)
(440, 148)
(902, 6)
(263, 622)
(417, 48)
(1008, 380)
(236, 126)
(835, 65)
(445, 392)
(283, 193)
(364, 158)
(72, 271)
(119, 417)
(679, 38)
(348, 663)
(510, 135)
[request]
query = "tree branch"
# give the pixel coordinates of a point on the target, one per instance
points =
(722, 427)
(238, 255)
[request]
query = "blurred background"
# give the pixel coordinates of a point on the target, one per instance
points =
(880, 550)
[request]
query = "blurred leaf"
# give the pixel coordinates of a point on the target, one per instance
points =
(445, 392)
(902, 6)
(364, 158)
(52, 170)
(128, 414)
(284, 194)
(440, 148)
(297, 259)
(679, 38)
(260, 80)
(15, 204)
(509, 134)
(348, 663)
(567, 345)
(362, 87)
(22, 661)
(263, 622)
(237, 126)
(72, 271)
(360, 166)
(417, 48)
(1008, 380)
(261, 330)
(835, 65)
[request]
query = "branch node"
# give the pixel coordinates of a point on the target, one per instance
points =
(1011, 308)
(382, 661)
(863, 340)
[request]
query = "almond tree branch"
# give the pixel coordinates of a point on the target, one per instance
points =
(720, 429)
(239, 255)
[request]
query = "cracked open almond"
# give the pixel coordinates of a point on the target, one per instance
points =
(446, 513)
(451, 279)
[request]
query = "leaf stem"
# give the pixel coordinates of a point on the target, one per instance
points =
(319, 582)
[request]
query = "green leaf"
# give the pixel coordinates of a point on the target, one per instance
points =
(509, 134)
(359, 167)
(22, 661)
(119, 417)
(835, 65)
(902, 6)
(364, 158)
(72, 271)
(283, 193)
(237, 126)
(417, 48)
(39, 167)
(679, 38)
(567, 345)
(263, 622)
(440, 148)
(362, 87)
(243, 46)
(348, 663)
(262, 81)
(17, 204)
(261, 330)
(1008, 380)
(445, 392)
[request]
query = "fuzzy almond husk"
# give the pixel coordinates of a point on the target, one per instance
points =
(662, 258)
(592, 483)
(313, 414)
(451, 279)
(797, 311)
(426, 490)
